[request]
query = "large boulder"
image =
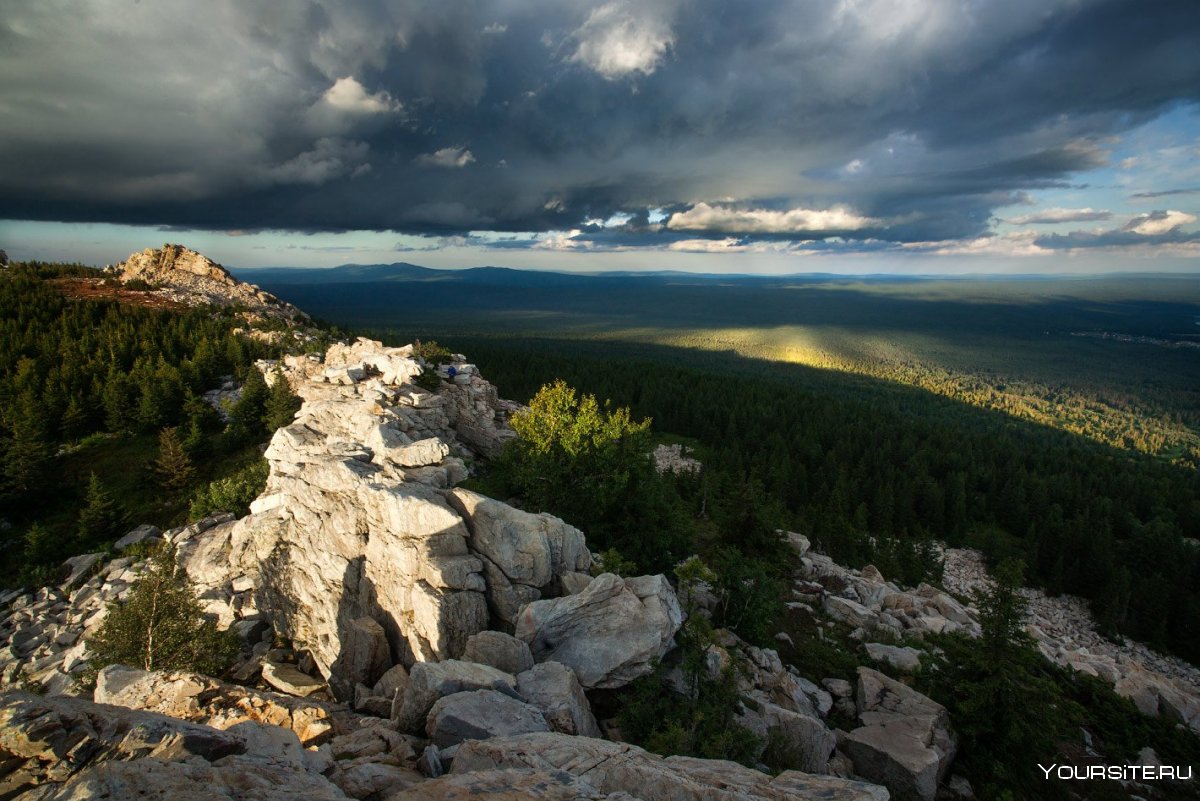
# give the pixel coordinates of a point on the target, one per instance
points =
(523, 554)
(501, 651)
(429, 681)
(905, 741)
(553, 688)
(905, 659)
(610, 633)
(610, 767)
(479, 714)
(800, 741)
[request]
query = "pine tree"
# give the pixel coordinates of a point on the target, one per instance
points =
(101, 516)
(282, 404)
(246, 416)
(40, 547)
(172, 467)
(27, 455)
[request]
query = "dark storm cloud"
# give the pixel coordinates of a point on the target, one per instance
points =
(917, 120)
(1166, 193)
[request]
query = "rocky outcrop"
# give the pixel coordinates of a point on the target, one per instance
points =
(353, 546)
(184, 276)
(905, 740)
(523, 554)
(609, 767)
(610, 633)
(863, 599)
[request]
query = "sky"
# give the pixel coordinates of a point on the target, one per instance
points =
(934, 136)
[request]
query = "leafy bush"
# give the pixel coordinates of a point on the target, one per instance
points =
(589, 464)
(431, 352)
(160, 626)
(231, 494)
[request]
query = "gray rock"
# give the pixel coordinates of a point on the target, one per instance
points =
(905, 741)
(138, 535)
(78, 569)
(612, 768)
(523, 553)
(235, 778)
(480, 714)
(371, 779)
(508, 785)
(553, 688)
(610, 633)
(501, 651)
(430, 762)
(287, 679)
(907, 660)
(429, 681)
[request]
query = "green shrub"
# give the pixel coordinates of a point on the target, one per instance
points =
(231, 494)
(160, 626)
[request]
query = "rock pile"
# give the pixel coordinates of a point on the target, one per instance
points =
(42, 633)
(867, 602)
(1066, 634)
(185, 276)
(674, 459)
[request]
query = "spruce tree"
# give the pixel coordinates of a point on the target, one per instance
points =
(40, 546)
(246, 416)
(282, 404)
(172, 467)
(101, 516)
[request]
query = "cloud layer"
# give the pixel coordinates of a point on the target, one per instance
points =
(699, 125)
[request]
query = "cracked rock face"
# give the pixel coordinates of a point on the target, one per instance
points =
(359, 549)
(610, 633)
(354, 526)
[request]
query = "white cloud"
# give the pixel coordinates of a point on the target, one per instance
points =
(621, 38)
(1012, 244)
(703, 217)
(563, 240)
(347, 94)
(452, 157)
(1158, 222)
(1051, 216)
(727, 245)
(495, 28)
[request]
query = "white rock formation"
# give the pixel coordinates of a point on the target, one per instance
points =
(185, 276)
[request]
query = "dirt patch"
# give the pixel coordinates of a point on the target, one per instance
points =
(99, 289)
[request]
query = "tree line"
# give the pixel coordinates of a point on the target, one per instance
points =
(877, 474)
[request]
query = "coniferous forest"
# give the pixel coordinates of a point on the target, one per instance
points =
(874, 474)
(101, 423)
